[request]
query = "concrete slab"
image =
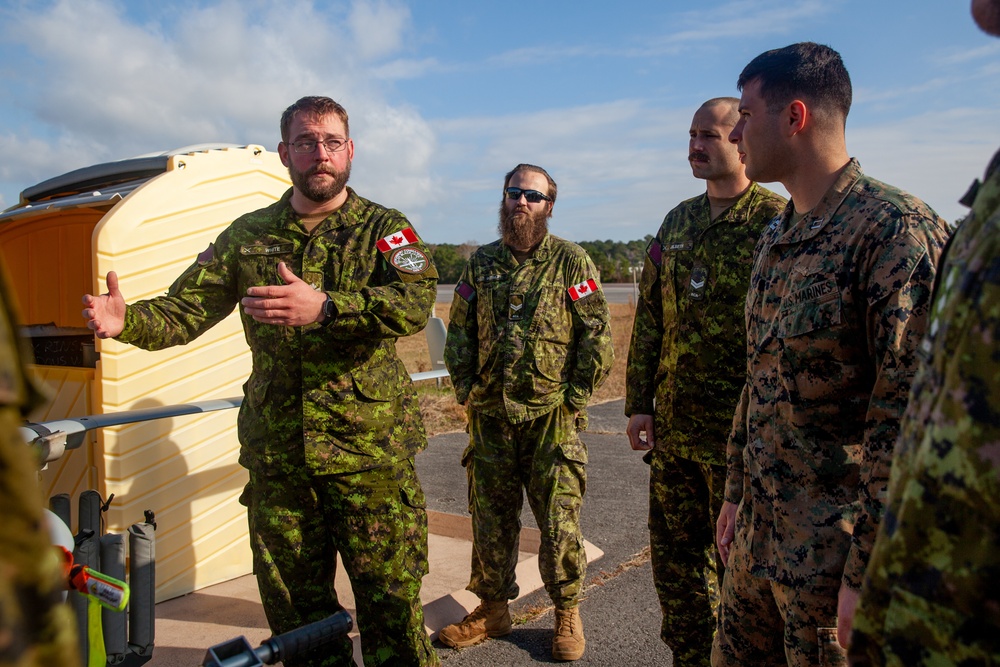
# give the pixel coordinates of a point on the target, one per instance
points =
(188, 625)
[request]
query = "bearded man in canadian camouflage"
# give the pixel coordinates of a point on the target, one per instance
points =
(932, 589)
(528, 343)
(327, 282)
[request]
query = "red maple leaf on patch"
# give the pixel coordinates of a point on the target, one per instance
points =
(582, 289)
(396, 240)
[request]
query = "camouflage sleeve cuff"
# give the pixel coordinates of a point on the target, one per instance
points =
(854, 568)
(462, 394)
(734, 489)
(576, 400)
(132, 327)
(346, 304)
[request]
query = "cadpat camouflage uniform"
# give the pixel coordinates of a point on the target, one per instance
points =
(527, 346)
(837, 306)
(931, 591)
(330, 423)
(688, 351)
(36, 628)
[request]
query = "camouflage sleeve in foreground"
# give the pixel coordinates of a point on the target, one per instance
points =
(931, 591)
(36, 628)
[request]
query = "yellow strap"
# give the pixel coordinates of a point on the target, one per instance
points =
(95, 635)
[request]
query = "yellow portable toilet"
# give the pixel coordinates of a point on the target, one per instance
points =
(147, 219)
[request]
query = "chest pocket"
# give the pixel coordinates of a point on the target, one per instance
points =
(491, 299)
(259, 263)
(812, 308)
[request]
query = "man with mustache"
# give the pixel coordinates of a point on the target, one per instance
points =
(528, 343)
(931, 594)
(686, 367)
(838, 302)
(326, 281)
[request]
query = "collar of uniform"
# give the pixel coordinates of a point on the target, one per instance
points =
(347, 214)
(541, 252)
(821, 215)
(737, 213)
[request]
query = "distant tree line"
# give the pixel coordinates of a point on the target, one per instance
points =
(613, 258)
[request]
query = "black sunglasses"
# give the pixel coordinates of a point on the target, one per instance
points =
(533, 196)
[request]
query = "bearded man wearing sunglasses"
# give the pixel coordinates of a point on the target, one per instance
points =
(528, 343)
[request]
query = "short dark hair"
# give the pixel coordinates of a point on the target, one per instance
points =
(316, 105)
(538, 170)
(732, 105)
(805, 70)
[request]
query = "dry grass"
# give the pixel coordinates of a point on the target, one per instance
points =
(443, 415)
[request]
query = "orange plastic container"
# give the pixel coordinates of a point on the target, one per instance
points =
(145, 219)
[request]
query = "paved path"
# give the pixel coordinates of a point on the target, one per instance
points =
(620, 613)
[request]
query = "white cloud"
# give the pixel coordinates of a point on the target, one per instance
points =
(934, 156)
(97, 86)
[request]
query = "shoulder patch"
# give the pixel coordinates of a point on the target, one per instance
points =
(409, 260)
(207, 255)
(655, 252)
(402, 238)
(466, 291)
(583, 290)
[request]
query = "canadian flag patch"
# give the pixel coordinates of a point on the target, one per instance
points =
(401, 238)
(586, 288)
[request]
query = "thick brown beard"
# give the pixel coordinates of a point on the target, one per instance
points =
(526, 234)
(320, 194)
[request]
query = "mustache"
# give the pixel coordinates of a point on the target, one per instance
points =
(694, 155)
(320, 169)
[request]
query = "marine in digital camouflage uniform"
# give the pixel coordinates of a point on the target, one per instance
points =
(37, 628)
(686, 367)
(330, 422)
(838, 303)
(528, 342)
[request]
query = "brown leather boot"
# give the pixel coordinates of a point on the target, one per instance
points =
(568, 642)
(489, 619)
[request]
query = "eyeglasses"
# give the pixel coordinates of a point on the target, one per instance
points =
(309, 145)
(533, 196)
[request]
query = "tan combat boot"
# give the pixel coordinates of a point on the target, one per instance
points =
(568, 642)
(489, 619)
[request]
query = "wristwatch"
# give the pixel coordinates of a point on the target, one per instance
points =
(328, 310)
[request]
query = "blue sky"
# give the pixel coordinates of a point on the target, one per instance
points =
(446, 96)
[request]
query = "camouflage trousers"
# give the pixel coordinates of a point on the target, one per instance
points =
(685, 498)
(762, 622)
(36, 627)
(546, 458)
(377, 521)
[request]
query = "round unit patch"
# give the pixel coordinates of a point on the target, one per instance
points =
(409, 260)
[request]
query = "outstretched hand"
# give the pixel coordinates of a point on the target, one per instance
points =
(105, 314)
(293, 304)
